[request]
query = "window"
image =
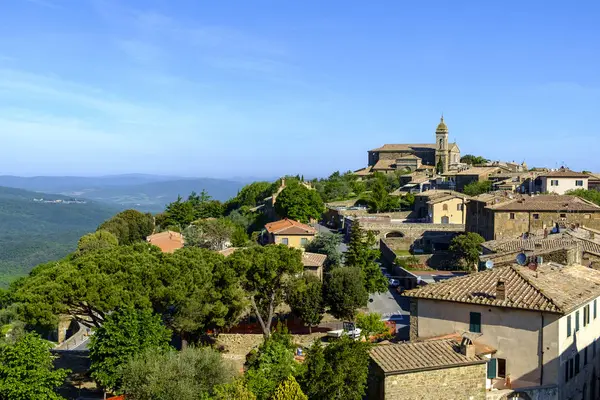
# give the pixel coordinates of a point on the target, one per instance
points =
(445, 207)
(586, 315)
(576, 321)
(595, 309)
(571, 368)
(536, 216)
(554, 182)
(585, 356)
(569, 326)
(501, 368)
(587, 216)
(577, 361)
(475, 322)
(284, 241)
(578, 183)
(304, 241)
(459, 207)
(512, 215)
(563, 215)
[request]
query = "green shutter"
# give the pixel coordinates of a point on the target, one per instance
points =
(492, 368)
(576, 321)
(475, 322)
(569, 326)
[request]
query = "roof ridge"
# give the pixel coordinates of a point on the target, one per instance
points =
(538, 289)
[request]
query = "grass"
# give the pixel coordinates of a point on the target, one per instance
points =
(402, 253)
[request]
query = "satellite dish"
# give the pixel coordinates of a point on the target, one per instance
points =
(489, 264)
(521, 259)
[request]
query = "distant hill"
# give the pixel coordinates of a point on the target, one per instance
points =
(39, 227)
(143, 192)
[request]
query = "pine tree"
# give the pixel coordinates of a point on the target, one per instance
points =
(289, 390)
(362, 254)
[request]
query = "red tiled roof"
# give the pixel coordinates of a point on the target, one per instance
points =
(405, 147)
(564, 173)
(416, 356)
(167, 241)
(313, 259)
(551, 288)
(289, 227)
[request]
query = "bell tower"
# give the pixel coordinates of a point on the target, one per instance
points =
(441, 148)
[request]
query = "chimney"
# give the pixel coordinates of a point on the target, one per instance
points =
(500, 290)
(467, 348)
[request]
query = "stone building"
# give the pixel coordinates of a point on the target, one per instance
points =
(391, 157)
(506, 215)
(429, 370)
(441, 206)
(541, 320)
(563, 180)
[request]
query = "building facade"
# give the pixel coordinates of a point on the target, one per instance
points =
(563, 180)
(506, 215)
(542, 322)
(441, 207)
(289, 232)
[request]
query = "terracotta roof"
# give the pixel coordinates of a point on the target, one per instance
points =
(564, 173)
(552, 288)
(409, 157)
(363, 171)
(313, 259)
(436, 195)
(418, 356)
(384, 164)
(289, 227)
(552, 242)
(167, 241)
(406, 147)
(478, 171)
(547, 202)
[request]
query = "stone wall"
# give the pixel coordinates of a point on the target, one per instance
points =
(566, 256)
(456, 383)
(537, 393)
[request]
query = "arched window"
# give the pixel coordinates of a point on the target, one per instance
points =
(441, 143)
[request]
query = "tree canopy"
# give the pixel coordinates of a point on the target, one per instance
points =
(477, 188)
(265, 270)
(299, 203)
(362, 254)
(27, 372)
(473, 160)
(467, 248)
(97, 241)
(289, 390)
(589, 195)
(123, 334)
(193, 373)
(129, 226)
(346, 293)
(180, 213)
(305, 298)
(328, 244)
(337, 372)
(211, 233)
(372, 325)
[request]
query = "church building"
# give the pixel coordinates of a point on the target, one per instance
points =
(440, 156)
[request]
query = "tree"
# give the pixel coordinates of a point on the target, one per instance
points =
(211, 234)
(236, 390)
(372, 325)
(477, 188)
(265, 271)
(362, 254)
(299, 203)
(26, 370)
(439, 167)
(191, 374)
(346, 293)
(379, 200)
(328, 244)
(271, 364)
(337, 372)
(96, 241)
(589, 195)
(305, 298)
(124, 333)
(289, 390)
(473, 160)
(467, 248)
(130, 226)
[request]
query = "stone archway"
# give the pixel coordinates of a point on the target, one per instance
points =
(394, 234)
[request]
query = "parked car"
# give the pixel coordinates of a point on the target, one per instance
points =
(394, 282)
(349, 330)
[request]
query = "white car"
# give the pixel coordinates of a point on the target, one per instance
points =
(394, 283)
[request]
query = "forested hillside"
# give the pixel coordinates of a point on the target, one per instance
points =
(32, 232)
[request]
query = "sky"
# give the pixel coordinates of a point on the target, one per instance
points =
(266, 88)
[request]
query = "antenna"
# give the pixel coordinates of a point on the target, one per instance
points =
(489, 264)
(521, 259)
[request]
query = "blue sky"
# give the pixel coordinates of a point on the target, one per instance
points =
(264, 88)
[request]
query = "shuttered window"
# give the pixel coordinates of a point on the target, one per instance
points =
(475, 322)
(492, 368)
(569, 326)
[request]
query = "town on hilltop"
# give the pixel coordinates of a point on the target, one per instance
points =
(425, 275)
